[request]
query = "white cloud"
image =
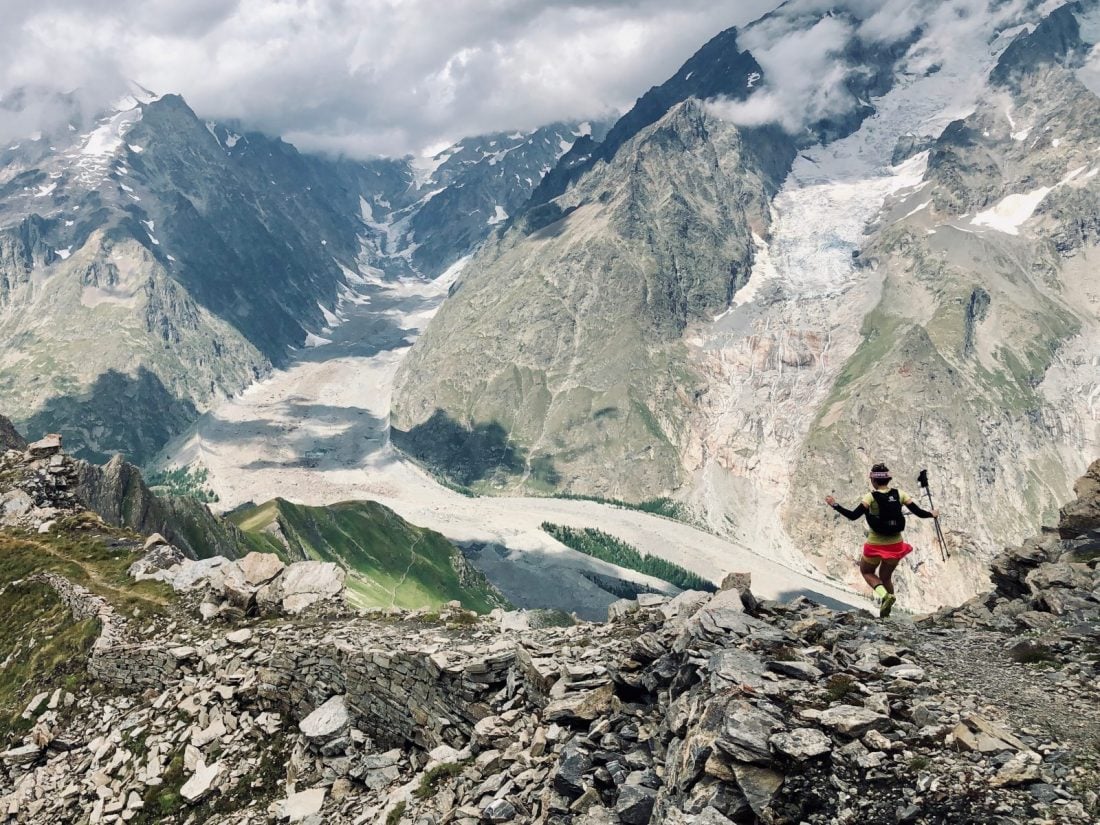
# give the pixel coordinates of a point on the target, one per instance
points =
(803, 72)
(363, 76)
(802, 50)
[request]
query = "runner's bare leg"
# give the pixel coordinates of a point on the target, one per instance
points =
(867, 567)
(887, 572)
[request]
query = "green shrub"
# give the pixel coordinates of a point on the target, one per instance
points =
(183, 482)
(840, 687)
(667, 507)
(395, 815)
(432, 779)
(607, 548)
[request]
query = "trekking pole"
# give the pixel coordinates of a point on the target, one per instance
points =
(922, 480)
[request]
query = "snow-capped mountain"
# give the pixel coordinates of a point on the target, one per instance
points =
(475, 185)
(832, 237)
(151, 262)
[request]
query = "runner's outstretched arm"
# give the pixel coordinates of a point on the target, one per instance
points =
(851, 515)
(920, 512)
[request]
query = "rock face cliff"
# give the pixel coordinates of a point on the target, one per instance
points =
(979, 357)
(748, 321)
(530, 384)
(696, 709)
(41, 483)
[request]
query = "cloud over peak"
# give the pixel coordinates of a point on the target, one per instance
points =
(362, 77)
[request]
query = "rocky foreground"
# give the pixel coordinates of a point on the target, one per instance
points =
(244, 703)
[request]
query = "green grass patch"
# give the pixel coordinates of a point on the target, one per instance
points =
(87, 553)
(42, 649)
(40, 644)
(919, 763)
(390, 562)
(607, 548)
(881, 333)
(163, 802)
(432, 779)
(394, 816)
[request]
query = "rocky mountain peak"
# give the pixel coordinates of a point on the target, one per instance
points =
(10, 439)
(199, 255)
(40, 484)
(1056, 40)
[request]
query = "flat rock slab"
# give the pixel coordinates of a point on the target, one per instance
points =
(585, 706)
(191, 574)
(307, 582)
(154, 540)
(745, 731)
(737, 668)
(239, 637)
(853, 721)
(22, 755)
(759, 785)
(911, 673)
(203, 737)
(303, 805)
(327, 722)
(45, 446)
(260, 568)
(201, 782)
(798, 670)
(802, 743)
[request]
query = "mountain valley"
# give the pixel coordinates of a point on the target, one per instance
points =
(487, 483)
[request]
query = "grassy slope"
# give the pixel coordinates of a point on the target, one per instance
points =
(41, 647)
(391, 562)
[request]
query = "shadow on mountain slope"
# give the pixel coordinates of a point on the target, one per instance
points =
(465, 454)
(294, 433)
(120, 413)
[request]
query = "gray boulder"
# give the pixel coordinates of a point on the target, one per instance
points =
(853, 721)
(305, 583)
(260, 568)
(329, 721)
(635, 804)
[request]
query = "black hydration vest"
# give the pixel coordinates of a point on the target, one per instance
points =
(884, 515)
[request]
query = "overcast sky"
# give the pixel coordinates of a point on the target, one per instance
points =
(365, 77)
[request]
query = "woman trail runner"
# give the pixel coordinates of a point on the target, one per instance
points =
(885, 546)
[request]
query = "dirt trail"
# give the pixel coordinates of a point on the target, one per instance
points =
(95, 579)
(970, 661)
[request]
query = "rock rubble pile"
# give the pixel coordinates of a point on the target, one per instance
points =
(262, 698)
(38, 484)
(692, 709)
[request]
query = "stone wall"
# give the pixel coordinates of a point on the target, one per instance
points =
(114, 660)
(414, 690)
(401, 682)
